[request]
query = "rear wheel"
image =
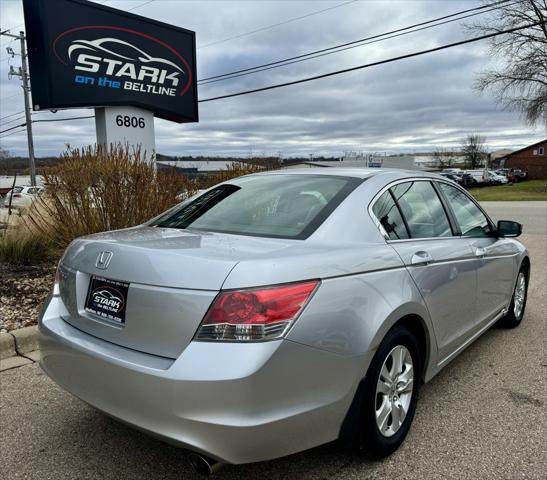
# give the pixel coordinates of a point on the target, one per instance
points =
(390, 394)
(518, 303)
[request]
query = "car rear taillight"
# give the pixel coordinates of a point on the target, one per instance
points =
(17, 195)
(255, 314)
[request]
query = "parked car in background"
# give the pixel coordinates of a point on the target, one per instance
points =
(467, 180)
(282, 310)
(493, 178)
(519, 175)
(483, 176)
(513, 174)
(463, 179)
(451, 176)
(22, 196)
(477, 175)
(505, 172)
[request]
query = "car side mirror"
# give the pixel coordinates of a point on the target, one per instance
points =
(508, 228)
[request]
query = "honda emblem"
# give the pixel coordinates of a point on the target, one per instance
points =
(103, 260)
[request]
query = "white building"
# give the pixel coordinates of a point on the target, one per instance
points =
(402, 161)
(198, 166)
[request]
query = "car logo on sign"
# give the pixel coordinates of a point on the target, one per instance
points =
(103, 260)
(107, 300)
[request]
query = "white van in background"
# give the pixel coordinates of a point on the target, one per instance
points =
(483, 176)
(478, 175)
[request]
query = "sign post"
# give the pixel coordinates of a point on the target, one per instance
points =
(127, 126)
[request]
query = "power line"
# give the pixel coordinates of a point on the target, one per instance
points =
(11, 121)
(12, 115)
(354, 44)
(47, 120)
(9, 96)
(13, 28)
(141, 5)
(12, 128)
(12, 133)
(367, 65)
(62, 119)
(268, 27)
(11, 41)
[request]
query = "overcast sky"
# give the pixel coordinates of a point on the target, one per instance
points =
(412, 105)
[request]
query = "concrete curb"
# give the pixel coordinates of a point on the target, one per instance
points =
(19, 347)
(26, 339)
(7, 346)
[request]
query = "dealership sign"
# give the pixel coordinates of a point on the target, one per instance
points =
(85, 54)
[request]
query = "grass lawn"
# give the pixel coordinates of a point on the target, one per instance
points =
(530, 190)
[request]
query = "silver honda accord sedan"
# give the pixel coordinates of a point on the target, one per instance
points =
(282, 310)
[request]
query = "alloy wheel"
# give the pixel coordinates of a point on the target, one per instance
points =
(394, 390)
(519, 295)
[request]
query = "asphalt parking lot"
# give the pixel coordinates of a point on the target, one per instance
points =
(483, 416)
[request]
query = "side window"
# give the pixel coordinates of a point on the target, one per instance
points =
(389, 217)
(422, 209)
(472, 222)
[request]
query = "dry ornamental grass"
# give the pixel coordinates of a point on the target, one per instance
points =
(97, 189)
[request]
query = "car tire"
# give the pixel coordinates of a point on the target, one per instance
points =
(380, 435)
(513, 317)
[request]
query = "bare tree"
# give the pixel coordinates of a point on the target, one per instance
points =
(519, 81)
(444, 157)
(4, 154)
(474, 150)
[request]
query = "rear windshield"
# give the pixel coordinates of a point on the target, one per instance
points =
(279, 206)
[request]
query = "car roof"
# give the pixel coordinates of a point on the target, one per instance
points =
(348, 172)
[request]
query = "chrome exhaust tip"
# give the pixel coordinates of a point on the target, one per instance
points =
(203, 465)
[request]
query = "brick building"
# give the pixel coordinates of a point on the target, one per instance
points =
(533, 159)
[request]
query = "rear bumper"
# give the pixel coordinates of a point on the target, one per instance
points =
(235, 402)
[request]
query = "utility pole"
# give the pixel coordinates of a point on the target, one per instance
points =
(22, 72)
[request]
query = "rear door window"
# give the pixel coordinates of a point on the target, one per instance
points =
(389, 217)
(422, 209)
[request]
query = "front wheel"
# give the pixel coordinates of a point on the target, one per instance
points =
(518, 303)
(390, 394)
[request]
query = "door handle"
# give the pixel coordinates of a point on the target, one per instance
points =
(480, 252)
(421, 258)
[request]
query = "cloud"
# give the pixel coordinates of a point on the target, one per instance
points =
(414, 104)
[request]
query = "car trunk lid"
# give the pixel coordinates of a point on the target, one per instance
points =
(164, 280)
